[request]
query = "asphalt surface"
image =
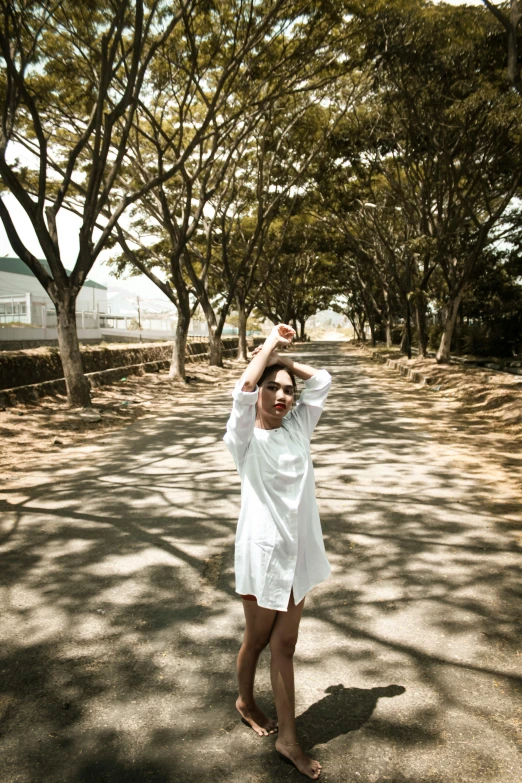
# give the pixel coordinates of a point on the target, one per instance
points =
(120, 626)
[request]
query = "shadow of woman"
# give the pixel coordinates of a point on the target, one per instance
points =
(342, 711)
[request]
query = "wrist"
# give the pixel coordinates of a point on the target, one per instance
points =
(270, 344)
(282, 359)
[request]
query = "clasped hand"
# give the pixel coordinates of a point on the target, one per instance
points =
(280, 338)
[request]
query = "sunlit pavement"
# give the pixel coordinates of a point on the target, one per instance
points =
(120, 625)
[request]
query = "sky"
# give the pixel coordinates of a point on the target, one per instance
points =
(68, 227)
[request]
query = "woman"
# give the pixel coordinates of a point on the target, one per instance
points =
(279, 553)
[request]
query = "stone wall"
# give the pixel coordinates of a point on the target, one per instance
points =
(43, 365)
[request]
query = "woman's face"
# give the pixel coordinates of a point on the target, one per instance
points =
(276, 397)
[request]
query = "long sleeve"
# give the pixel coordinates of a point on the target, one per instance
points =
(240, 425)
(308, 410)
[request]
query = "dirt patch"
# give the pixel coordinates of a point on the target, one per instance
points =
(32, 433)
(486, 439)
(495, 397)
(212, 569)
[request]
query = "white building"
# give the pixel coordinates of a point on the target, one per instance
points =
(24, 301)
(143, 312)
(27, 313)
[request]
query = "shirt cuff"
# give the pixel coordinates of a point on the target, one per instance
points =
(319, 380)
(246, 398)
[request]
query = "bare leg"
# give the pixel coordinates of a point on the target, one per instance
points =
(282, 645)
(258, 627)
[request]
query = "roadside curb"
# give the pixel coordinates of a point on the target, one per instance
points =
(408, 372)
(396, 364)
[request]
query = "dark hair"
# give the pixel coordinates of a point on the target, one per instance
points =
(273, 368)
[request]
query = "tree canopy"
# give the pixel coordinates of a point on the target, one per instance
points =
(271, 157)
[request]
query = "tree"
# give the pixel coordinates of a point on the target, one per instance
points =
(492, 306)
(72, 80)
(439, 135)
(369, 241)
(510, 22)
(302, 280)
(243, 59)
(285, 145)
(259, 262)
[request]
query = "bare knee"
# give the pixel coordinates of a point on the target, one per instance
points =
(255, 644)
(283, 645)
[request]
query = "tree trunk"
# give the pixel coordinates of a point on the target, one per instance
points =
(179, 350)
(420, 320)
(457, 334)
(215, 347)
(302, 333)
(408, 327)
(242, 332)
(183, 306)
(388, 325)
(214, 329)
(443, 354)
(371, 323)
(372, 331)
(362, 327)
(404, 340)
(389, 337)
(78, 387)
(214, 333)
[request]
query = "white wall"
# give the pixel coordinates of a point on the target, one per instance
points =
(88, 298)
(18, 285)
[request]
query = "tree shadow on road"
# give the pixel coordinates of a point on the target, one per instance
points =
(121, 624)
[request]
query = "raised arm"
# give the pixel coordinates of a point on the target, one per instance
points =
(240, 425)
(317, 383)
(302, 371)
(280, 336)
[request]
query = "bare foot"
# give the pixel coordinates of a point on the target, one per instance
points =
(256, 718)
(303, 762)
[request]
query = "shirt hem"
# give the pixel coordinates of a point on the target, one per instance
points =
(297, 598)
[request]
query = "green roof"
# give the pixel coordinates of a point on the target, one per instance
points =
(16, 266)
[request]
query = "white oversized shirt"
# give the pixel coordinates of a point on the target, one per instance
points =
(279, 542)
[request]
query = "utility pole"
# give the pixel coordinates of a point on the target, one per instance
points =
(139, 315)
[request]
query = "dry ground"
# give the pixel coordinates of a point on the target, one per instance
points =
(479, 409)
(120, 622)
(483, 403)
(37, 432)
(481, 392)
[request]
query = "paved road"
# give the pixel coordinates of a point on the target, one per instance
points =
(120, 624)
